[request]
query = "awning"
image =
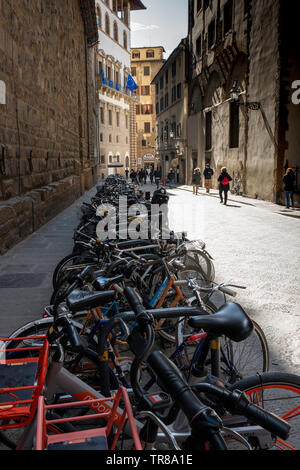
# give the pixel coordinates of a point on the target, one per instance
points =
(115, 165)
(88, 11)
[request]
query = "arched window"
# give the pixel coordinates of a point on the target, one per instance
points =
(99, 18)
(125, 43)
(107, 24)
(116, 32)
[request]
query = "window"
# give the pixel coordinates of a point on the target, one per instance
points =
(228, 17)
(179, 130)
(173, 94)
(161, 104)
(145, 90)
(211, 34)
(110, 117)
(179, 91)
(199, 5)
(107, 24)
(102, 115)
(138, 109)
(101, 137)
(167, 77)
(146, 71)
(133, 71)
(147, 109)
(116, 32)
(157, 108)
(150, 54)
(234, 123)
(156, 88)
(174, 68)
(144, 143)
(99, 19)
(125, 42)
(166, 100)
(110, 159)
(118, 119)
(199, 46)
(126, 121)
(147, 127)
(117, 139)
(208, 130)
(110, 139)
(136, 55)
(102, 159)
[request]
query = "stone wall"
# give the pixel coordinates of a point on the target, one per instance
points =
(47, 125)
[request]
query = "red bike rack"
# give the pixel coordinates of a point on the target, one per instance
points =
(22, 376)
(87, 439)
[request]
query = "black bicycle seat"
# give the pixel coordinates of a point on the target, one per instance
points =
(80, 300)
(231, 320)
(103, 283)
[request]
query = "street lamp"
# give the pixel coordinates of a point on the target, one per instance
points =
(235, 95)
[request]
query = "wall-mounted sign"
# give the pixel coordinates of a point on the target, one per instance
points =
(2, 92)
(139, 161)
(148, 157)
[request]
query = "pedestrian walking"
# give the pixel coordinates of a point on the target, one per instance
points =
(224, 185)
(208, 174)
(289, 188)
(151, 176)
(127, 173)
(171, 178)
(133, 176)
(196, 180)
(145, 176)
(157, 176)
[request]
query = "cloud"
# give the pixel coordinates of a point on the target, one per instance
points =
(143, 27)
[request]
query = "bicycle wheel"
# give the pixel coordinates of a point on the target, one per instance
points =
(238, 360)
(199, 261)
(71, 263)
(278, 393)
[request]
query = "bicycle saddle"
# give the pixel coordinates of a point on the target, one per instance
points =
(80, 300)
(103, 283)
(231, 320)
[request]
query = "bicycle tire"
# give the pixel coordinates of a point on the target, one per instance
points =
(276, 392)
(197, 260)
(62, 264)
(248, 357)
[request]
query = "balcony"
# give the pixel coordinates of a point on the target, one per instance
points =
(115, 88)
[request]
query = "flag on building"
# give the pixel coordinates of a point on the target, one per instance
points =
(194, 64)
(131, 85)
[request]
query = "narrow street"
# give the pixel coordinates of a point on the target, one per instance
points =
(252, 244)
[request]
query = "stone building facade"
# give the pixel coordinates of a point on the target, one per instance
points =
(116, 100)
(171, 113)
(48, 122)
(248, 46)
(145, 63)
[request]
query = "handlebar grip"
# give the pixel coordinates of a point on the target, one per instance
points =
(137, 307)
(268, 421)
(228, 291)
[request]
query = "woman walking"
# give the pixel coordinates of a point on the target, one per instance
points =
(196, 180)
(224, 186)
(289, 181)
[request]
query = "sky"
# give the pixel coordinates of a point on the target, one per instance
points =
(163, 23)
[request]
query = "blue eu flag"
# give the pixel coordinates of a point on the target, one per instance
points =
(131, 85)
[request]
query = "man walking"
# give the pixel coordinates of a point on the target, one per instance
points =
(208, 174)
(224, 185)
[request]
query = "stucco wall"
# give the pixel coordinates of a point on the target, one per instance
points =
(263, 87)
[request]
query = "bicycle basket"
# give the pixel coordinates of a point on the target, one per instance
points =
(22, 376)
(87, 437)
